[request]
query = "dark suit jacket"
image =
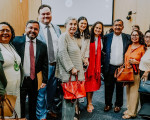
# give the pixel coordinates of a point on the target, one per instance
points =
(107, 47)
(41, 61)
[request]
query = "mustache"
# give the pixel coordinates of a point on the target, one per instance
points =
(32, 33)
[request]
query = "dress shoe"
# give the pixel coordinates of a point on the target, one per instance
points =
(107, 108)
(117, 109)
(52, 114)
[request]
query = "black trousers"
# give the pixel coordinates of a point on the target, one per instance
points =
(28, 88)
(110, 83)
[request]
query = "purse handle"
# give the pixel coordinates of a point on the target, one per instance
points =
(76, 76)
(10, 106)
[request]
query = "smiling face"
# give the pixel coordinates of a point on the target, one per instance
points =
(135, 37)
(5, 33)
(71, 27)
(118, 27)
(45, 16)
(147, 39)
(32, 30)
(82, 25)
(97, 30)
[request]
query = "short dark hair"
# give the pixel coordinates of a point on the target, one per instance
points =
(117, 20)
(32, 21)
(11, 28)
(137, 26)
(43, 6)
(148, 31)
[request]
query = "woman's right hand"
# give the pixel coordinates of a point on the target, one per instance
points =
(74, 71)
(145, 76)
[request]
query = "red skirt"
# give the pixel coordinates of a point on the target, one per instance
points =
(92, 84)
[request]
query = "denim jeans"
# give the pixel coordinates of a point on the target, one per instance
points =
(41, 108)
(51, 87)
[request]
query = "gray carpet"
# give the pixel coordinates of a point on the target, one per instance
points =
(98, 113)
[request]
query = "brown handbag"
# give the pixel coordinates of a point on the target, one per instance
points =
(124, 74)
(6, 106)
(10, 108)
(73, 89)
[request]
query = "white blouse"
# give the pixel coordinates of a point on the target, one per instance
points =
(145, 61)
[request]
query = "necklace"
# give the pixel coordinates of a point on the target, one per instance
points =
(16, 66)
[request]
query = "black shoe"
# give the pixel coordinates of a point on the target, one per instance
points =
(117, 109)
(107, 108)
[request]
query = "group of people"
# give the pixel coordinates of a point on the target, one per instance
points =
(43, 51)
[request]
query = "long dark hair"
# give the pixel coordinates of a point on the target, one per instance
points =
(11, 28)
(141, 37)
(86, 31)
(148, 31)
(92, 31)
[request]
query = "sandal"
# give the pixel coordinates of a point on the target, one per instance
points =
(125, 112)
(90, 108)
(126, 116)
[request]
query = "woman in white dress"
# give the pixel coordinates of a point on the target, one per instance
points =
(10, 65)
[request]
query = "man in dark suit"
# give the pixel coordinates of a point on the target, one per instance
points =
(34, 59)
(49, 34)
(115, 46)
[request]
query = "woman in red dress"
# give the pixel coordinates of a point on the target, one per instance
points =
(92, 76)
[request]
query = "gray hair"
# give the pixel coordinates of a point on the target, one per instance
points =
(68, 19)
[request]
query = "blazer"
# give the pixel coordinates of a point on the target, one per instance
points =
(85, 48)
(3, 80)
(69, 56)
(41, 60)
(41, 34)
(107, 47)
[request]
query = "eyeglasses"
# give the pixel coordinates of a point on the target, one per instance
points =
(5, 30)
(134, 35)
(147, 37)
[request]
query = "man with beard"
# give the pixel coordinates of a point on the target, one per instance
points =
(34, 59)
(115, 46)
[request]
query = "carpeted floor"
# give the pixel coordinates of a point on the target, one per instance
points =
(98, 113)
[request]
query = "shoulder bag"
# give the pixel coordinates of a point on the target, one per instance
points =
(144, 87)
(7, 108)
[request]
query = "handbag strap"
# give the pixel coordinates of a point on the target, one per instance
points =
(76, 76)
(10, 106)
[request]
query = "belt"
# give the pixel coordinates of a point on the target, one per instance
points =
(53, 64)
(27, 77)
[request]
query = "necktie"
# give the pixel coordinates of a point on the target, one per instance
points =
(50, 46)
(32, 61)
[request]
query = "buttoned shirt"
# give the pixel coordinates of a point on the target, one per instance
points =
(116, 55)
(54, 37)
(26, 65)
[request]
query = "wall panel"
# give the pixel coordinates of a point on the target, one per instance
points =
(14, 12)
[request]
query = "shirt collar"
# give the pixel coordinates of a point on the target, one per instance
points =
(117, 35)
(28, 40)
(44, 26)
